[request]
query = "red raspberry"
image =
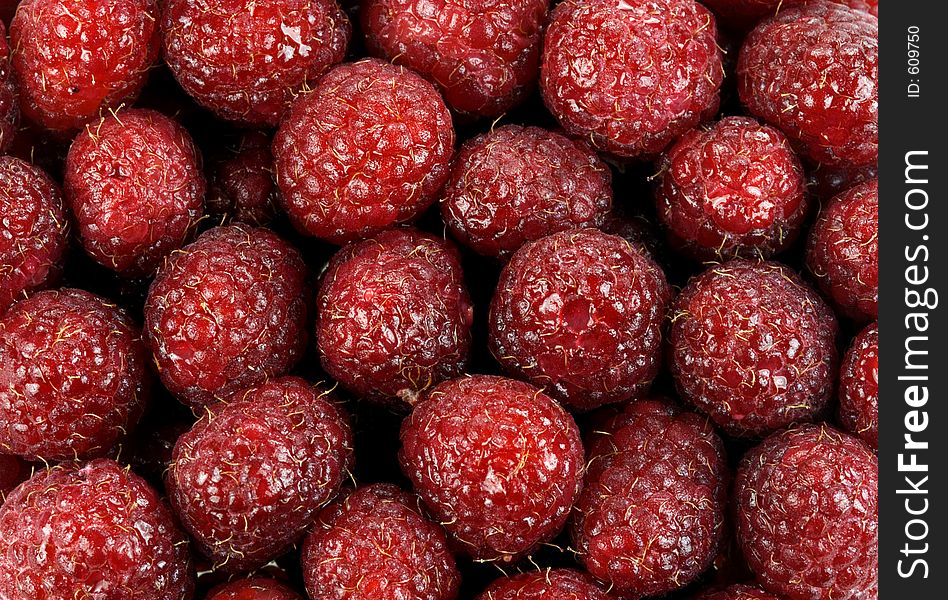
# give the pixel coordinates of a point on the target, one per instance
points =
(135, 186)
(843, 251)
(733, 189)
(808, 514)
(91, 531)
(394, 316)
(482, 54)
(75, 58)
(369, 147)
(753, 347)
(13, 472)
(551, 584)
(250, 476)
(580, 313)
(74, 376)
(227, 312)
(242, 187)
(247, 60)
(376, 545)
(737, 591)
(859, 386)
(515, 184)
(813, 71)
(743, 14)
(253, 588)
(638, 230)
(496, 461)
(825, 182)
(631, 76)
(9, 108)
(34, 232)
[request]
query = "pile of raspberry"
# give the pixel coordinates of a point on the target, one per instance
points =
(441, 300)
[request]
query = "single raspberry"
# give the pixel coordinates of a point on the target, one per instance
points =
(813, 71)
(34, 232)
(551, 584)
(250, 476)
(826, 182)
(241, 187)
(94, 530)
(135, 187)
(74, 59)
(859, 386)
(247, 60)
(73, 375)
(631, 76)
(808, 514)
(515, 184)
(732, 189)
(226, 312)
(13, 472)
(580, 314)
(369, 147)
(9, 107)
(636, 229)
(483, 56)
(737, 591)
(376, 545)
(253, 588)
(496, 461)
(394, 316)
(843, 251)
(650, 518)
(753, 347)
(743, 14)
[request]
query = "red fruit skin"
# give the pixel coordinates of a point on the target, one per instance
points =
(843, 251)
(135, 187)
(92, 530)
(496, 461)
(250, 476)
(737, 591)
(246, 61)
(253, 588)
(743, 14)
(394, 316)
(34, 233)
(515, 184)
(735, 189)
(859, 386)
(651, 516)
(579, 314)
(368, 148)
(558, 584)
(813, 71)
(808, 514)
(241, 187)
(631, 103)
(483, 55)
(375, 544)
(9, 107)
(753, 347)
(73, 376)
(67, 80)
(226, 312)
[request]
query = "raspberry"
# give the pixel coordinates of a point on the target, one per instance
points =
(482, 55)
(826, 182)
(247, 60)
(253, 588)
(9, 108)
(34, 232)
(226, 312)
(552, 584)
(516, 184)
(733, 189)
(859, 386)
(94, 530)
(631, 76)
(743, 14)
(74, 59)
(496, 461)
(375, 544)
(753, 347)
(579, 313)
(813, 71)
(736, 592)
(394, 316)
(249, 477)
(638, 230)
(135, 186)
(369, 147)
(242, 186)
(651, 515)
(843, 251)
(74, 378)
(808, 514)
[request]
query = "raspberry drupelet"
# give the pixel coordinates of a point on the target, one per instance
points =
(245, 60)
(225, 312)
(496, 461)
(241, 186)
(253, 588)
(368, 148)
(9, 107)
(859, 386)
(515, 184)
(558, 584)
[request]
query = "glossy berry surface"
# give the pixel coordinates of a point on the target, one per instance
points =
(253, 588)
(859, 386)
(241, 187)
(737, 591)
(562, 584)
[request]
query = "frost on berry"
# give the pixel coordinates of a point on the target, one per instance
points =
(859, 386)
